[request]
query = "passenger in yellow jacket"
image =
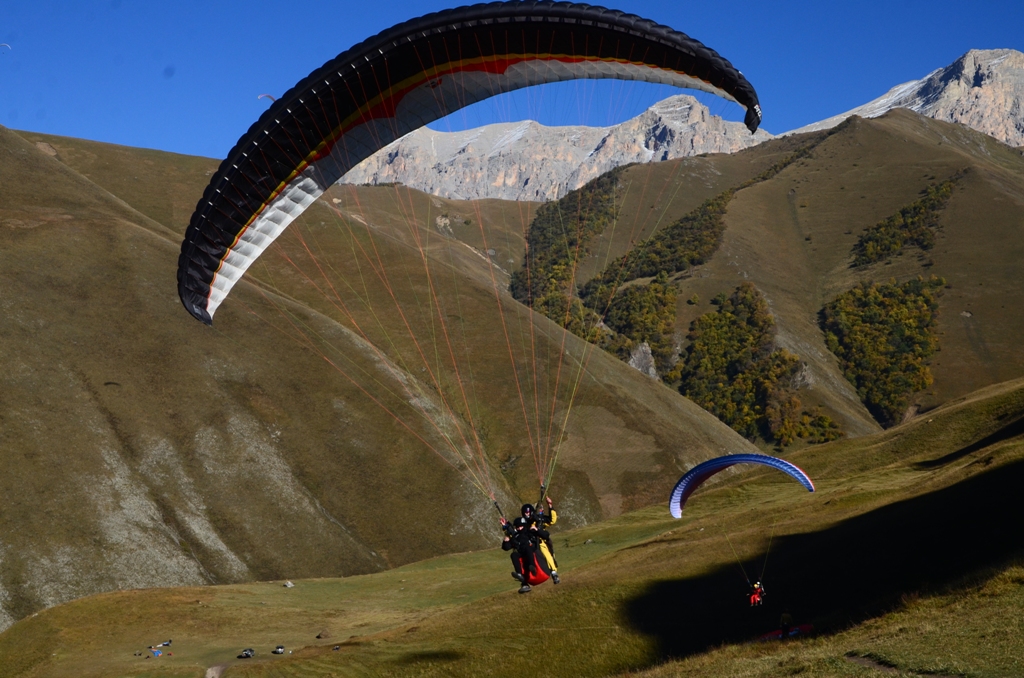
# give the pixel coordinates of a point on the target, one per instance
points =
(541, 519)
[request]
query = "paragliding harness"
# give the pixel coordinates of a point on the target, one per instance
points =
(546, 547)
(531, 567)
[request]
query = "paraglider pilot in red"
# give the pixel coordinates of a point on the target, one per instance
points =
(756, 594)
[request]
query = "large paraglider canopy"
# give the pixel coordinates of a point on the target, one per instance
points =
(415, 317)
(400, 80)
(701, 472)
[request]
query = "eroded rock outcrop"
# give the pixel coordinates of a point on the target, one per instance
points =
(983, 89)
(529, 161)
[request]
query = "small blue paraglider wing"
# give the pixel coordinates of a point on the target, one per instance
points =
(696, 476)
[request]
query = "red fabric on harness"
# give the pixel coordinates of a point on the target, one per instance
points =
(539, 575)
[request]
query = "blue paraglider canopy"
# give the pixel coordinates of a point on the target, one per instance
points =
(701, 472)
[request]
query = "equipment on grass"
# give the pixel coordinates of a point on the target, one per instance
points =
(801, 630)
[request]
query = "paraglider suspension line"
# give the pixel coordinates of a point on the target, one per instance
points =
(769, 550)
(735, 555)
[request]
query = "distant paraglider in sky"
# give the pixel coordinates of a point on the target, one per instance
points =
(696, 476)
(4, 44)
(267, 96)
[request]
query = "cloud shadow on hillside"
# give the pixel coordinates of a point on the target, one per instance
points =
(850, 572)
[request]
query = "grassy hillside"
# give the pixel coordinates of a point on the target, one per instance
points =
(142, 449)
(798, 235)
(163, 186)
(906, 556)
(794, 236)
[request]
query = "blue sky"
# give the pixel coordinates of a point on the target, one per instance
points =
(184, 75)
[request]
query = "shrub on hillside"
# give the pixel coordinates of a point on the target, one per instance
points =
(913, 224)
(883, 335)
(748, 385)
(733, 370)
(645, 313)
(557, 241)
(688, 242)
(559, 235)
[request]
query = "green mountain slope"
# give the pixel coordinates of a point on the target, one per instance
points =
(797, 214)
(142, 449)
(793, 237)
(908, 537)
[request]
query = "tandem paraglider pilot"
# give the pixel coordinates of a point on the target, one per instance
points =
(524, 540)
(540, 518)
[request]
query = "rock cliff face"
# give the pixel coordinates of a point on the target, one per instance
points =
(528, 161)
(983, 89)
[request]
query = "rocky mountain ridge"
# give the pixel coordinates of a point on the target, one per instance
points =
(983, 90)
(529, 161)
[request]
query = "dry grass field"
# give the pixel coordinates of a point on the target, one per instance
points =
(324, 430)
(907, 555)
(143, 449)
